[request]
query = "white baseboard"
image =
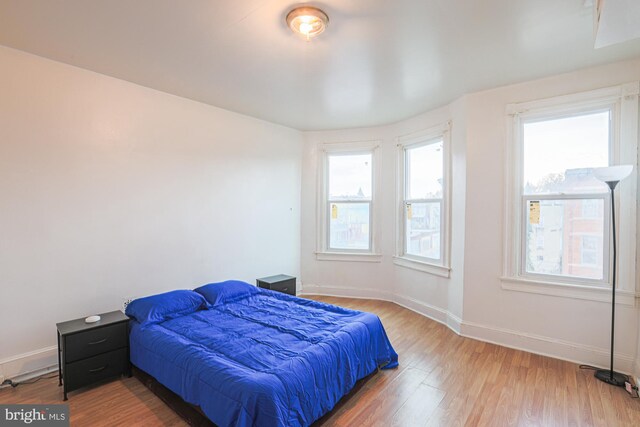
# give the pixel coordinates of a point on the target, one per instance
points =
(432, 312)
(545, 346)
(428, 310)
(345, 292)
(28, 365)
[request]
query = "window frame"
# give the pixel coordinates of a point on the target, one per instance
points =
(440, 267)
(323, 251)
(622, 101)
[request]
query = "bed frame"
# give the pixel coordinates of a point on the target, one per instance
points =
(188, 412)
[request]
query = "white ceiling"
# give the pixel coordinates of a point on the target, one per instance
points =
(379, 61)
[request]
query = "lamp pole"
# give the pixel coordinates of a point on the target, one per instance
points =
(612, 377)
(613, 276)
(612, 176)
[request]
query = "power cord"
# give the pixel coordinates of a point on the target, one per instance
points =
(593, 368)
(16, 384)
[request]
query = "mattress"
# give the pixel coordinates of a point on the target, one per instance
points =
(269, 359)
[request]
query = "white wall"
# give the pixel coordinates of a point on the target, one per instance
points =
(473, 301)
(111, 190)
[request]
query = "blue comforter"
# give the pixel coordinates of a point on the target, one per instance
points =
(266, 360)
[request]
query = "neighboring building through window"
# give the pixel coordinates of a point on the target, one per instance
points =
(590, 250)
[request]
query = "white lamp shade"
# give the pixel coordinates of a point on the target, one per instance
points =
(613, 173)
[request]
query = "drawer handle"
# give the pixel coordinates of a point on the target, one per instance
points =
(98, 342)
(102, 368)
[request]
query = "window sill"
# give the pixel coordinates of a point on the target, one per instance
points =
(348, 256)
(425, 267)
(559, 289)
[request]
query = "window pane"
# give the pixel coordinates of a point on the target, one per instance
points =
(589, 250)
(565, 241)
(423, 229)
(424, 171)
(349, 225)
(559, 154)
(350, 176)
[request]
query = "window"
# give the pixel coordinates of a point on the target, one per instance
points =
(422, 197)
(349, 203)
(559, 153)
(423, 200)
(347, 188)
(557, 223)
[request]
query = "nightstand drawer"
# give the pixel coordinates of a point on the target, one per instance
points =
(279, 283)
(95, 341)
(96, 368)
(286, 286)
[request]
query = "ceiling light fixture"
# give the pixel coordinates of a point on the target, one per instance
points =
(308, 21)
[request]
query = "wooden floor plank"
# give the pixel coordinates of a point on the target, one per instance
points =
(418, 408)
(443, 380)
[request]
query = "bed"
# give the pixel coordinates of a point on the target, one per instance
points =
(253, 357)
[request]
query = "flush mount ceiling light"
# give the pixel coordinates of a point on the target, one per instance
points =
(307, 21)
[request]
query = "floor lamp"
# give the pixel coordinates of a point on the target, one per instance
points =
(612, 176)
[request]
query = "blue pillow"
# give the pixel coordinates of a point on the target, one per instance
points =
(223, 292)
(161, 307)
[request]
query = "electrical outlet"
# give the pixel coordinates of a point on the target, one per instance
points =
(126, 302)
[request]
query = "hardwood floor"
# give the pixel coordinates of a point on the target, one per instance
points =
(443, 380)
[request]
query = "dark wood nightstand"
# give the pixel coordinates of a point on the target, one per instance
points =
(280, 283)
(90, 352)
